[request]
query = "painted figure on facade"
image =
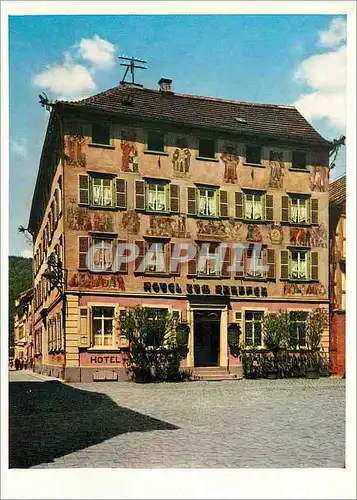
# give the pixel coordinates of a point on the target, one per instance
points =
(88, 280)
(300, 237)
(319, 179)
(74, 150)
(304, 289)
(276, 169)
(174, 226)
(276, 234)
(181, 160)
(319, 236)
(228, 229)
(130, 161)
(254, 233)
(131, 221)
(79, 219)
(230, 160)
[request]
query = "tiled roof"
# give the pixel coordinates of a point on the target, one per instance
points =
(337, 191)
(283, 122)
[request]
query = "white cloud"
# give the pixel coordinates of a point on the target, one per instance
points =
(27, 253)
(67, 81)
(97, 51)
(335, 34)
(19, 147)
(325, 74)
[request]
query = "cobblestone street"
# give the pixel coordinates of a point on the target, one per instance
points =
(228, 424)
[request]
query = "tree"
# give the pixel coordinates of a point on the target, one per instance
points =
(276, 333)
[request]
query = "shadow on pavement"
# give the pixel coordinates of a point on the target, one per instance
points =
(50, 420)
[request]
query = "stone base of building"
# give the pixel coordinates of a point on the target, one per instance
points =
(237, 371)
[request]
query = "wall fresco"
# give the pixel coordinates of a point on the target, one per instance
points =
(276, 234)
(319, 179)
(89, 280)
(304, 289)
(80, 219)
(300, 236)
(226, 228)
(319, 236)
(130, 159)
(131, 221)
(181, 160)
(276, 170)
(74, 150)
(173, 226)
(254, 233)
(230, 160)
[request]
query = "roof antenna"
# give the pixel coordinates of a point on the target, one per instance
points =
(131, 64)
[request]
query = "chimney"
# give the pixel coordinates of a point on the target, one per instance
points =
(165, 84)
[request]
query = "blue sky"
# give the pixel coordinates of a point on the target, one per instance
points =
(281, 59)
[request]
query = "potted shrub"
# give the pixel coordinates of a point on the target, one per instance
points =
(182, 336)
(316, 324)
(275, 332)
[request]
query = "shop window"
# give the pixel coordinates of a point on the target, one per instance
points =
(103, 326)
(297, 329)
(253, 328)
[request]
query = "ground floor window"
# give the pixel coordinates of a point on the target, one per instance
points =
(253, 328)
(103, 325)
(298, 326)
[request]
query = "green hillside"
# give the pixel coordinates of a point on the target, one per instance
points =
(20, 279)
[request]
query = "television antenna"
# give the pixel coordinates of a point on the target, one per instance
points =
(131, 63)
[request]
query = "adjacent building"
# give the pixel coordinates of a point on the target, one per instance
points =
(23, 341)
(156, 168)
(337, 199)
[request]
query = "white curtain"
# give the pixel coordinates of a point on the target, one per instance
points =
(303, 213)
(249, 209)
(107, 196)
(294, 212)
(294, 268)
(97, 195)
(258, 209)
(161, 205)
(211, 206)
(303, 268)
(202, 206)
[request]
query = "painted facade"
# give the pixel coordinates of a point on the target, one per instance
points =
(125, 191)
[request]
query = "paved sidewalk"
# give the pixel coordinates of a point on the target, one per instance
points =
(228, 424)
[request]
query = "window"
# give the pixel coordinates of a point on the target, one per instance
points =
(102, 325)
(299, 265)
(208, 263)
(253, 155)
(254, 206)
(255, 262)
(253, 328)
(101, 133)
(157, 197)
(207, 202)
(156, 141)
(156, 258)
(299, 160)
(298, 325)
(102, 192)
(101, 254)
(206, 148)
(299, 210)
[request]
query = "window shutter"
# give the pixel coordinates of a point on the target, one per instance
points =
(314, 211)
(285, 208)
(192, 265)
(175, 262)
(223, 203)
(83, 328)
(140, 195)
(83, 251)
(314, 265)
(269, 207)
(243, 264)
(191, 201)
(141, 246)
(239, 204)
(226, 262)
(270, 259)
(83, 183)
(174, 198)
(284, 264)
(121, 193)
(123, 268)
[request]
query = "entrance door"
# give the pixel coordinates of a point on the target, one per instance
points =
(206, 337)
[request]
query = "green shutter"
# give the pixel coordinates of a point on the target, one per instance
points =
(83, 188)
(83, 248)
(174, 198)
(285, 208)
(192, 265)
(121, 193)
(226, 262)
(140, 195)
(270, 254)
(284, 264)
(239, 204)
(269, 207)
(191, 201)
(223, 203)
(314, 265)
(314, 211)
(83, 328)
